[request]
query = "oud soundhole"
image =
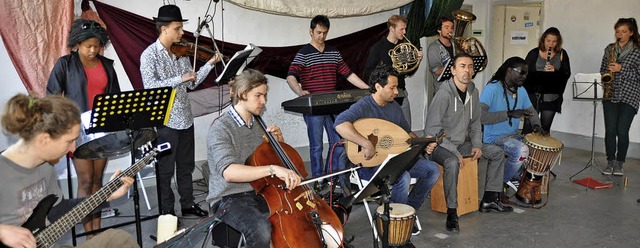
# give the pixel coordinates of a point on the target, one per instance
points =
(386, 142)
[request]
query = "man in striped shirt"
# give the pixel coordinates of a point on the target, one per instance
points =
(314, 70)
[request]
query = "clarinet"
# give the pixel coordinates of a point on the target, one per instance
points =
(548, 56)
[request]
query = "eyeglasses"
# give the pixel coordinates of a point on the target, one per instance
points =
(518, 70)
(89, 25)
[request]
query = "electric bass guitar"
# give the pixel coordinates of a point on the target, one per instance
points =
(46, 236)
(386, 137)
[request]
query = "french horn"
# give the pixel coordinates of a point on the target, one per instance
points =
(404, 57)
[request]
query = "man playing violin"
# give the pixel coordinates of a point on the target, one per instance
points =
(380, 104)
(232, 138)
(160, 67)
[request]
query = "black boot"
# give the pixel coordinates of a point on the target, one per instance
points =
(452, 220)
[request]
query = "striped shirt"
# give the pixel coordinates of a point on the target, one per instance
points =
(317, 71)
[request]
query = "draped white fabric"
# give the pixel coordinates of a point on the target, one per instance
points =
(311, 8)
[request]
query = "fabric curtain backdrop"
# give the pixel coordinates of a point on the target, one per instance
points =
(35, 34)
(310, 8)
(420, 26)
(439, 9)
(130, 34)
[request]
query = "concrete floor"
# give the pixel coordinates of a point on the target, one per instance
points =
(574, 216)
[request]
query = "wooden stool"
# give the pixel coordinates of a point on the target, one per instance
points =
(467, 189)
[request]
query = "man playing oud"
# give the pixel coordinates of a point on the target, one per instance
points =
(381, 104)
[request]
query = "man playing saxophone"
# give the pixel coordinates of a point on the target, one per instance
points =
(379, 53)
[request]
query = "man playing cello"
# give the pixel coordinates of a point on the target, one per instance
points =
(232, 138)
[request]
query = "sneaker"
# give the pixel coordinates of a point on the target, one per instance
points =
(609, 169)
(618, 171)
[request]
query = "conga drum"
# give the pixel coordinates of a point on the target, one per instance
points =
(401, 218)
(544, 152)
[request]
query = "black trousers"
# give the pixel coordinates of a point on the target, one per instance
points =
(181, 160)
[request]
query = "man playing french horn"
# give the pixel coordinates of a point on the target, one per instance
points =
(394, 42)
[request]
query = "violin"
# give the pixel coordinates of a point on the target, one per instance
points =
(186, 48)
(299, 218)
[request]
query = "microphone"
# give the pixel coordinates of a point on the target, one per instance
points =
(201, 25)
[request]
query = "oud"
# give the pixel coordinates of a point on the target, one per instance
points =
(386, 137)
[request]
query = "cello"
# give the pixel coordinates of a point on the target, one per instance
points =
(299, 218)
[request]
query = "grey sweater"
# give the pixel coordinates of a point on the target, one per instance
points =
(460, 120)
(228, 143)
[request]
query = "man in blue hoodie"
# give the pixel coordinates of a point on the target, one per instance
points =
(456, 109)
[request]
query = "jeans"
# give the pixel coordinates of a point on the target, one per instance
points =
(426, 173)
(617, 122)
(316, 125)
(181, 159)
(516, 151)
(248, 213)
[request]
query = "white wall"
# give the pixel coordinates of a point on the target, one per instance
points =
(586, 27)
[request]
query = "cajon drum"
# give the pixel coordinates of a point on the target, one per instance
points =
(467, 189)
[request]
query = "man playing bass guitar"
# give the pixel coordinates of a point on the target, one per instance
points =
(47, 129)
(384, 87)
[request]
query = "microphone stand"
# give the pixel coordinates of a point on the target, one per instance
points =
(205, 25)
(195, 47)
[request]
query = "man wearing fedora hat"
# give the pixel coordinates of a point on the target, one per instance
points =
(160, 67)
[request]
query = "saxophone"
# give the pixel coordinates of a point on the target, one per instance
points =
(607, 78)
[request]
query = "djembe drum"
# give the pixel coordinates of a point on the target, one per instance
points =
(401, 218)
(544, 152)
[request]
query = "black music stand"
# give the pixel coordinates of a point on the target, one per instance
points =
(477, 64)
(131, 110)
(585, 90)
(381, 180)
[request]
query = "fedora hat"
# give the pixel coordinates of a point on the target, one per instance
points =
(169, 13)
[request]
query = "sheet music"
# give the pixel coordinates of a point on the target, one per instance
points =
(239, 61)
